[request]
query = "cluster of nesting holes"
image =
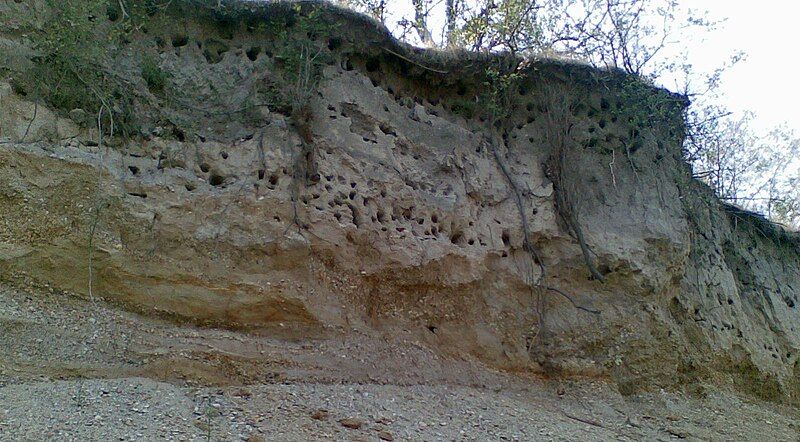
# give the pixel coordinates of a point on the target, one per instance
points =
(343, 198)
(776, 352)
(214, 49)
(274, 179)
(213, 177)
(604, 131)
(602, 115)
(376, 74)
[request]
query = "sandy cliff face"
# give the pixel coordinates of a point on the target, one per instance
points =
(405, 221)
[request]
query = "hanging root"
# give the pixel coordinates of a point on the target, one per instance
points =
(517, 194)
(559, 133)
(305, 170)
(572, 301)
(567, 208)
(528, 244)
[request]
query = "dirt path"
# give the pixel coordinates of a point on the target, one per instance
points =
(73, 370)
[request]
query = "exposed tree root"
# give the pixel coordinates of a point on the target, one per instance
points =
(30, 123)
(527, 243)
(305, 168)
(584, 420)
(572, 301)
(567, 210)
(559, 133)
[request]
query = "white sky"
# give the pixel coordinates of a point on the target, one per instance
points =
(766, 82)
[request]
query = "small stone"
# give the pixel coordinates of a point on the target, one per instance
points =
(385, 435)
(320, 414)
(633, 422)
(243, 393)
(353, 424)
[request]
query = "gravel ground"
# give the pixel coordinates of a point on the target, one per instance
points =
(71, 370)
(139, 409)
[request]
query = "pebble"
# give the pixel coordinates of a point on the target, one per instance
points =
(36, 407)
(320, 414)
(351, 423)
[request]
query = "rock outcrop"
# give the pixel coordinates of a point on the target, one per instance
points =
(403, 218)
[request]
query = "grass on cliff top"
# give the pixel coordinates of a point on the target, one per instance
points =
(760, 225)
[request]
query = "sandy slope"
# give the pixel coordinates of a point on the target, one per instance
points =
(73, 370)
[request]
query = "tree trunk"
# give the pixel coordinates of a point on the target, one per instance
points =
(421, 22)
(451, 23)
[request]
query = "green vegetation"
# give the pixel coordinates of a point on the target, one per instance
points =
(302, 56)
(464, 108)
(76, 41)
(67, 70)
(73, 42)
(500, 87)
(155, 77)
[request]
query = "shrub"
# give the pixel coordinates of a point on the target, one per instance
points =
(67, 70)
(155, 77)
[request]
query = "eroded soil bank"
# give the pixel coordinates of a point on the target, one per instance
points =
(391, 227)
